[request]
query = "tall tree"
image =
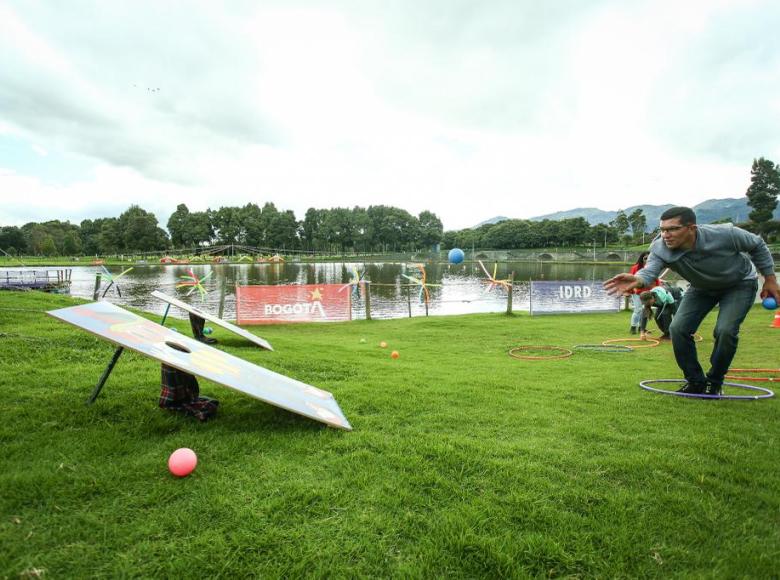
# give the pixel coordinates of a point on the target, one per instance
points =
(41, 240)
(12, 240)
(138, 231)
(341, 229)
(285, 230)
(252, 220)
(762, 193)
(361, 224)
(310, 228)
(177, 226)
(620, 224)
(200, 231)
(90, 236)
(575, 231)
(49, 248)
(431, 229)
(71, 245)
(604, 233)
(638, 222)
(227, 225)
(110, 237)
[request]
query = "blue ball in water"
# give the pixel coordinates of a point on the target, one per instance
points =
(208, 330)
(769, 303)
(456, 256)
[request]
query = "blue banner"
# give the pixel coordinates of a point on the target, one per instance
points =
(571, 296)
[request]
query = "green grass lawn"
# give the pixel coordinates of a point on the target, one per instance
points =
(463, 462)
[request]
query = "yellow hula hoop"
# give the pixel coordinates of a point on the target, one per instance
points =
(652, 342)
(566, 352)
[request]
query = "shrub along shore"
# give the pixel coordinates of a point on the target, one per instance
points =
(463, 462)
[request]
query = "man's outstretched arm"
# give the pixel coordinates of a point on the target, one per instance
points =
(623, 284)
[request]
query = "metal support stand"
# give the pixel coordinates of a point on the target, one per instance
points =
(167, 308)
(104, 378)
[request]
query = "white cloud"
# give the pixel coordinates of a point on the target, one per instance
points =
(468, 110)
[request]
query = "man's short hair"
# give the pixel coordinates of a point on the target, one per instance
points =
(687, 215)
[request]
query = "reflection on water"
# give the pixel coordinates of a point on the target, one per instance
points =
(455, 289)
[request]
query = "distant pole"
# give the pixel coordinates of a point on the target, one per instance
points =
(367, 289)
(222, 290)
(96, 291)
(509, 293)
(409, 301)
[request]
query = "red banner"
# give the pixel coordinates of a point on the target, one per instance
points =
(295, 303)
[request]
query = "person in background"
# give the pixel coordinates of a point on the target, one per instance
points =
(665, 308)
(636, 316)
(198, 325)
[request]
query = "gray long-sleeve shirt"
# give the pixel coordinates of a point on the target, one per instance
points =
(722, 256)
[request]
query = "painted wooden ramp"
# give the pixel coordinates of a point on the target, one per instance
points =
(131, 331)
(214, 319)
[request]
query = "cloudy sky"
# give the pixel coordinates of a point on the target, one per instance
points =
(469, 109)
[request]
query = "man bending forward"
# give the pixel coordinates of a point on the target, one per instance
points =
(714, 259)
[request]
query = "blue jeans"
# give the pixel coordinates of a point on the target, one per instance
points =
(734, 304)
(636, 315)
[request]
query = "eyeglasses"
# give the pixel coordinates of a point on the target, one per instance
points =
(671, 229)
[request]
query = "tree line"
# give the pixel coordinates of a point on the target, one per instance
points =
(376, 229)
(513, 234)
(338, 230)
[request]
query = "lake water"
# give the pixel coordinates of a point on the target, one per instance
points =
(459, 289)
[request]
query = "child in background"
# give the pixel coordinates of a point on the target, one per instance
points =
(636, 316)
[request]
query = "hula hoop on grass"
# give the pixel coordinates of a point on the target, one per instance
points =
(766, 393)
(652, 342)
(756, 379)
(603, 347)
(566, 353)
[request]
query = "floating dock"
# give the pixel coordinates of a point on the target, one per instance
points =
(57, 281)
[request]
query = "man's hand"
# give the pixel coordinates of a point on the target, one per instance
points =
(622, 284)
(770, 288)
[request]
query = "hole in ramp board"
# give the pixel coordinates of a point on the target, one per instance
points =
(179, 347)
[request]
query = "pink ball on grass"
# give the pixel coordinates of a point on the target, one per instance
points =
(182, 462)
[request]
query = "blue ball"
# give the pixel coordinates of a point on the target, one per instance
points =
(456, 256)
(208, 330)
(769, 303)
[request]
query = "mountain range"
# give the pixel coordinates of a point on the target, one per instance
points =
(735, 210)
